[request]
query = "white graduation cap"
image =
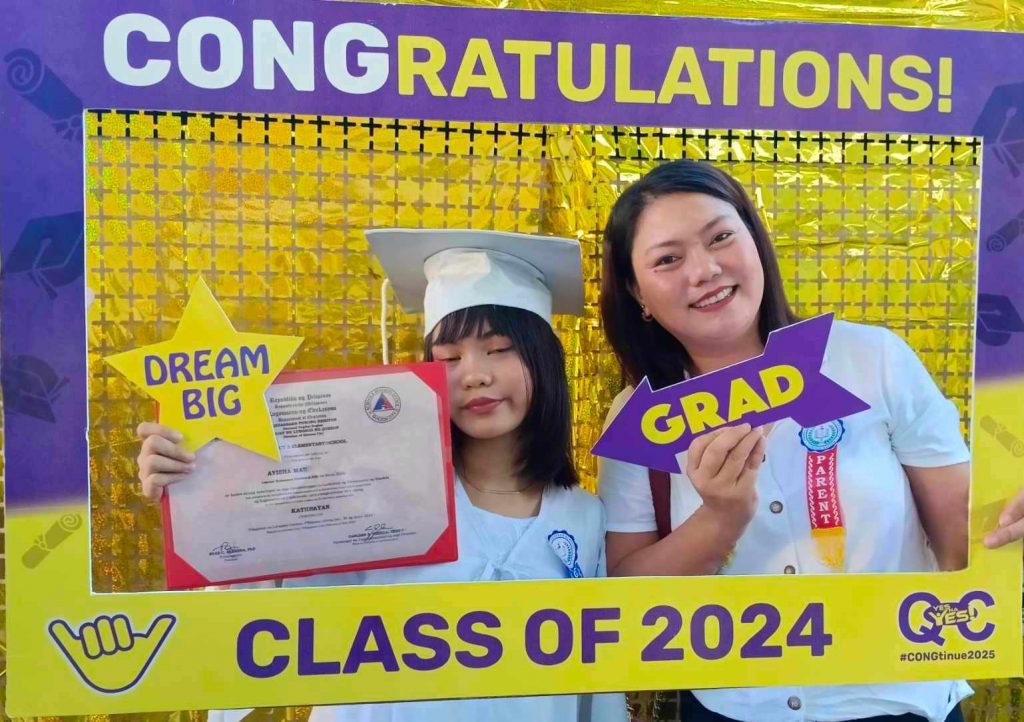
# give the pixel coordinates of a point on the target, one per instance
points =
(441, 271)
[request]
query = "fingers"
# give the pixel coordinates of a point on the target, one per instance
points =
(90, 640)
(1005, 534)
(159, 628)
(162, 462)
(698, 448)
(164, 465)
(714, 456)
(153, 485)
(757, 454)
(1011, 523)
(1013, 511)
(150, 428)
(105, 633)
(162, 446)
(740, 456)
(66, 639)
(122, 632)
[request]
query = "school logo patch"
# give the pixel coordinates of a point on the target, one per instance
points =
(823, 437)
(382, 404)
(565, 547)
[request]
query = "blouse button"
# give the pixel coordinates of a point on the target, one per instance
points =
(790, 569)
(794, 702)
(776, 507)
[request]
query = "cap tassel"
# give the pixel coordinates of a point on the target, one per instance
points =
(384, 319)
(831, 542)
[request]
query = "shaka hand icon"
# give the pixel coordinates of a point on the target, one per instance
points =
(107, 653)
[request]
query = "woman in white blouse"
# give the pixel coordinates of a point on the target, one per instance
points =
(691, 285)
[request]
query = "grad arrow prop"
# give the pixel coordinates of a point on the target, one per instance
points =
(785, 381)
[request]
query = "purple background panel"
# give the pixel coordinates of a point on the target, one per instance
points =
(53, 66)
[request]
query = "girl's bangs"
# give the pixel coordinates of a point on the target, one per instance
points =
(473, 321)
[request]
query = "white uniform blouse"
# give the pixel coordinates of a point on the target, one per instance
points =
(909, 423)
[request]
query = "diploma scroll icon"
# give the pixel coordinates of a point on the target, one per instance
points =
(107, 653)
(1003, 435)
(42, 88)
(60, 530)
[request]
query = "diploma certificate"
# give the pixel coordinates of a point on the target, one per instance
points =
(365, 481)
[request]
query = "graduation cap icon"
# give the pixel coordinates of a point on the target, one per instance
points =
(997, 319)
(50, 251)
(31, 387)
(1001, 123)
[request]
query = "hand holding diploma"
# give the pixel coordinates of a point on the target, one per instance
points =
(162, 460)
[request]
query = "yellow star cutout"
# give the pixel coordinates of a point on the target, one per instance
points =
(209, 379)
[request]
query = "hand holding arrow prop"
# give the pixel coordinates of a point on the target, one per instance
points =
(785, 381)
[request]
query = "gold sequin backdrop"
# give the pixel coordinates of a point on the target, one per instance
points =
(271, 209)
(880, 228)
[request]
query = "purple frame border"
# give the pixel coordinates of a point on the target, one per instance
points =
(53, 55)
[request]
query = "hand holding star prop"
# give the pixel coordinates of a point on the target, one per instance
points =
(209, 379)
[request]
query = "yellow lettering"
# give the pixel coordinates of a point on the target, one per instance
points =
(684, 59)
(850, 76)
(730, 58)
(701, 410)
(478, 51)
(624, 90)
(945, 104)
(528, 52)
(650, 427)
(409, 68)
(773, 377)
(593, 89)
(791, 79)
(921, 96)
(767, 89)
(744, 400)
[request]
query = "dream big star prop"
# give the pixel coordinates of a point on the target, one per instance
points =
(209, 379)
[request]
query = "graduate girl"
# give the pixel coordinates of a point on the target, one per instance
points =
(691, 285)
(487, 299)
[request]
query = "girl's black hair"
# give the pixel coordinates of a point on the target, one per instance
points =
(545, 436)
(646, 348)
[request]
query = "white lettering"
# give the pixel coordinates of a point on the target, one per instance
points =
(375, 65)
(190, 62)
(115, 49)
(269, 49)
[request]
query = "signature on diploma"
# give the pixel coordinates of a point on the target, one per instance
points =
(374, 533)
(378, 530)
(229, 551)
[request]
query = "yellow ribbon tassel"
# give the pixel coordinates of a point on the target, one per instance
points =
(831, 546)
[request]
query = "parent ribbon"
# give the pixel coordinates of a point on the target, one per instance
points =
(785, 381)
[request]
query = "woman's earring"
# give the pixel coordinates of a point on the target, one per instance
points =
(644, 314)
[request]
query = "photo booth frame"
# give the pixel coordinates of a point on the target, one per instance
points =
(323, 645)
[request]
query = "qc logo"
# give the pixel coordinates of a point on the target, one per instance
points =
(923, 618)
(382, 404)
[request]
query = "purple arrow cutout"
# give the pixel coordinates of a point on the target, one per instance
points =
(785, 381)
